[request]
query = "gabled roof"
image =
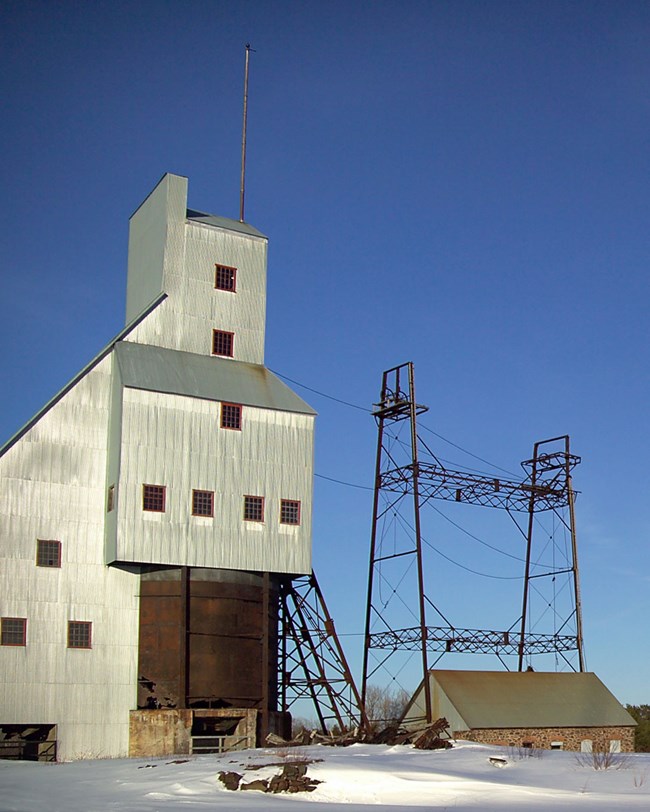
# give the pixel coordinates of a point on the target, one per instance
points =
(223, 222)
(157, 369)
(499, 699)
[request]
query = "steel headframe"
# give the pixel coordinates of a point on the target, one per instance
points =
(312, 663)
(547, 487)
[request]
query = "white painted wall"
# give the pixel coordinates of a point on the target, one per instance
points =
(52, 487)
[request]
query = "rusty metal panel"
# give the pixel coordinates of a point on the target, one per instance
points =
(225, 636)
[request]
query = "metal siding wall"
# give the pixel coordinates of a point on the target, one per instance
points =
(186, 320)
(53, 487)
(156, 235)
(180, 445)
(113, 458)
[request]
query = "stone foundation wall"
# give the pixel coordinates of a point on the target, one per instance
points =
(542, 737)
(159, 732)
(168, 731)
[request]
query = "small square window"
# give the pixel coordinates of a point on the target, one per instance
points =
(79, 634)
(48, 553)
(254, 508)
(202, 503)
(225, 278)
(153, 498)
(230, 416)
(13, 631)
(222, 343)
(289, 511)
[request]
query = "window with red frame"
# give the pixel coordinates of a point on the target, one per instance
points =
(225, 278)
(231, 416)
(202, 503)
(13, 631)
(48, 553)
(222, 343)
(254, 508)
(289, 511)
(79, 634)
(153, 498)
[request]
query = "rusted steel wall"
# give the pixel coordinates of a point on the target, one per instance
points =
(202, 644)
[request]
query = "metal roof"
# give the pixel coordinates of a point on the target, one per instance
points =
(498, 699)
(157, 369)
(223, 222)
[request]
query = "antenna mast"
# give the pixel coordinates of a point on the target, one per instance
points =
(243, 139)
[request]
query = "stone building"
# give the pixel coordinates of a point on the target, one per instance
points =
(551, 711)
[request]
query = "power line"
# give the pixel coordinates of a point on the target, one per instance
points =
(322, 394)
(340, 482)
(369, 411)
(457, 563)
(464, 450)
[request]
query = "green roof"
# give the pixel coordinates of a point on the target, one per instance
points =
(223, 222)
(157, 369)
(498, 699)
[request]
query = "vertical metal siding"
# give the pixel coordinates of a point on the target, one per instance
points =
(180, 445)
(53, 487)
(156, 235)
(185, 321)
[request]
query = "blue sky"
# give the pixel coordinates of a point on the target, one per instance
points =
(464, 185)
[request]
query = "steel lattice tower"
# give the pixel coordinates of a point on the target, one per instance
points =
(407, 477)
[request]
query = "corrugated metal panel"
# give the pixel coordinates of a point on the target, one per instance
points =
(156, 369)
(181, 446)
(195, 308)
(497, 699)
(53, 487)
(156, 241)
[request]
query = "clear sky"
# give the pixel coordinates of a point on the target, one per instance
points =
(464, 185)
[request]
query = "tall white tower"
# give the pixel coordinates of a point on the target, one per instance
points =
(171, 483)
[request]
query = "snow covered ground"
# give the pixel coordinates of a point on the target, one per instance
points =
(353, 778)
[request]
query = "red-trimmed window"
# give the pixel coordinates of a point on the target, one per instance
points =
(222, 343)
(48, 553)
(153, 498)
(254, 508)
(13, 631)
(225, 278)
(79, 634)
(202, 503)
(289, 511)
(231, 416)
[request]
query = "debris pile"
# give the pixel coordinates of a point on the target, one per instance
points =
(434, 736)
(293, 778)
